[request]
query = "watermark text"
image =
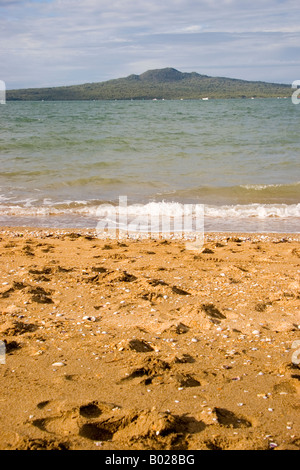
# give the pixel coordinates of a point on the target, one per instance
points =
(296, 86)
(296, 354)
(2, 352)
(152, 220)
(2, 92)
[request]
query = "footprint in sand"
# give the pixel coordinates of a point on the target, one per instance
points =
(97, 421)
(45, 270)
(40, 295)
(27, 249)
(140, 346)
(213, 312)
(15, 287)
(41, 444)
(179, 291)
(15, 328)
(229, 419)
(186, 381)
(148, 369)
(126, 277)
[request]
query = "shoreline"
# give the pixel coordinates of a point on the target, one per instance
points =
(44, 231)
(147, 345)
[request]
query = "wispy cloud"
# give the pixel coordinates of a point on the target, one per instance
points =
(55, 42)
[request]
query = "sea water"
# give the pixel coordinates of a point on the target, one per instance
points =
(238, 158)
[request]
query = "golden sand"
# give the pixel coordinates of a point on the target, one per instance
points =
(149, 345)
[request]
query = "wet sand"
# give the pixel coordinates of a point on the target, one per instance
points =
(118, 345)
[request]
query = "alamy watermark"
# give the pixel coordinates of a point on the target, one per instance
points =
(295, 358)
(153, 220)
(2, 92)
(296, 85)
(2, 352)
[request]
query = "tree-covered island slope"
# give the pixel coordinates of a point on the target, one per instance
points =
(167, 83)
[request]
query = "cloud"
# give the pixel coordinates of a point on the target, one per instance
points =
(54, 42)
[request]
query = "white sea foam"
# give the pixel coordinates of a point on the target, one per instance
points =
(170, 209)
(174, 209)
(261, 187)
(262, 211)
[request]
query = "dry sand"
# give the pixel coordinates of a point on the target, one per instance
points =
(147, 344)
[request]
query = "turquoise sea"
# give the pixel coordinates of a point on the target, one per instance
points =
(240, 158)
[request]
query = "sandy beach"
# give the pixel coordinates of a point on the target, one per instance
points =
(118, 345)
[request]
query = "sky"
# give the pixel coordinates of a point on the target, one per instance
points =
(64, 42)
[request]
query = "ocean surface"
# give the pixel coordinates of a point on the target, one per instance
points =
(61, 163)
